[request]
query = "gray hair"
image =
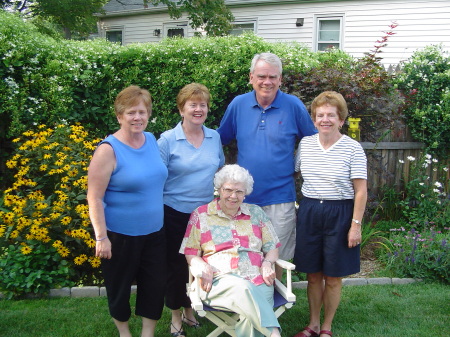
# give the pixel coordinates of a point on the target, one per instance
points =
(234, 174)
(268, 58)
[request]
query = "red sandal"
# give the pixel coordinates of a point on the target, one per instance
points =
(312, 333)
(325, 332)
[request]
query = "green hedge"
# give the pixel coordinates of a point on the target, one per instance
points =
(49, 81)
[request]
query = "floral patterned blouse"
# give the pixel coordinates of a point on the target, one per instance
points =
(230, 245)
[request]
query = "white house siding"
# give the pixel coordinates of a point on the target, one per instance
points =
(420, 23)
(139, 28)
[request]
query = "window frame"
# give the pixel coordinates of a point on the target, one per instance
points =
(175, 25)
(245, 21)
(329, 17)
(115, 29)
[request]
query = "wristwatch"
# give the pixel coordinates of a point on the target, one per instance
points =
(356, 221)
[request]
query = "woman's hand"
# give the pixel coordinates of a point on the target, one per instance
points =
(207, 277)
(103, 249)
(354, 236)
(268, 273)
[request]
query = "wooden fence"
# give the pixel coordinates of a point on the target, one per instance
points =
(385, 168)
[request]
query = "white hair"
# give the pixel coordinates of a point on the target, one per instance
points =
(234, 173)
(268, 58)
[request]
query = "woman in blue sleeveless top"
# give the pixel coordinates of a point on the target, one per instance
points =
(125, 194)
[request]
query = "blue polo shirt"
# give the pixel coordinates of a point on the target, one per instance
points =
(190, 183)
(266, 140)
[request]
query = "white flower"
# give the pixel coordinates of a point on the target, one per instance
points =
(422, 195)
(401, 161)
(421, 184)
(428, 156)
(437, 184)
(438, 202)
(411, 158)
(435, 190)
(435, 161)
(445, 169)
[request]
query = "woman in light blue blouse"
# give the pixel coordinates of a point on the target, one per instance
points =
(193, 154)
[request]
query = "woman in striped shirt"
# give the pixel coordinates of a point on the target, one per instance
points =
(334, 170)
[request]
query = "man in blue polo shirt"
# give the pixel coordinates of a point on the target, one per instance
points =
(266, 124)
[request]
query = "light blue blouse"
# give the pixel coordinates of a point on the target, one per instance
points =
(191, 170)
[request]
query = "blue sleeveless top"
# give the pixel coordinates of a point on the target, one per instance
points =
(133, 200)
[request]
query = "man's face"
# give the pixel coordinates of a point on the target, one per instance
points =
(265, 79)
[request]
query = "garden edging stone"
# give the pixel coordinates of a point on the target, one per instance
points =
(363, 281)
(94, 291)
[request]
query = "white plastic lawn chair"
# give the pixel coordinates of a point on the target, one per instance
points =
(225, 321)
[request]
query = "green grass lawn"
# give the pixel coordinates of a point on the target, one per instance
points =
(374, 310)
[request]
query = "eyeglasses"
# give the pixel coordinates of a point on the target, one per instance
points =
(229, 191)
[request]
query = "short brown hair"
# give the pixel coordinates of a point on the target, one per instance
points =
(131, 96)
(193, 91)
(332, 98)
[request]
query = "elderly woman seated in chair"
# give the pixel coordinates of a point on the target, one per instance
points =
(235, 246)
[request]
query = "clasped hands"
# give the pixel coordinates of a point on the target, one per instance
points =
(267, 273)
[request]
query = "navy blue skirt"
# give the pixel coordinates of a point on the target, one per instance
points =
(322, 238)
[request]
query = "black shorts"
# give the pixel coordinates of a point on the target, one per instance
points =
(322, 238)
(140, 259)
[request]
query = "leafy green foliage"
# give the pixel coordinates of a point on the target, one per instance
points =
(48, 81)
(32, 269)
(425, 82)
(364, 83)
(425, 200)
(72, 15)
(422, 254)
(211, 15)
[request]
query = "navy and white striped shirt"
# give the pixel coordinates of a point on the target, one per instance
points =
(328, 174)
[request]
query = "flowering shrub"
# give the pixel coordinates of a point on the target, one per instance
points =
(425, 82)
(45, 209)
(420, 254)
(425, 197)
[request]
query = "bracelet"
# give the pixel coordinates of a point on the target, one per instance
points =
(356, 221)
(271, 263)
(101, 239)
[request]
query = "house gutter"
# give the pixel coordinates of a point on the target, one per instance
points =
(229, 3)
